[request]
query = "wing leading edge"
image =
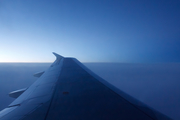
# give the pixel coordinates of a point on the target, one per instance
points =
(70, 91)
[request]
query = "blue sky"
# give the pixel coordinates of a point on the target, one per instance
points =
(90, 30)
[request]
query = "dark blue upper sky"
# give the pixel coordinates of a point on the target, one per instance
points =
(90, 30)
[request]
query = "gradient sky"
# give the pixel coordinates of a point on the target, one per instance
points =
(90, 30)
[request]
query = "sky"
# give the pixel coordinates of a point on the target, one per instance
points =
(91, 30)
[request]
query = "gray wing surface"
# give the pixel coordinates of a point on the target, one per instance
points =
(70, 91)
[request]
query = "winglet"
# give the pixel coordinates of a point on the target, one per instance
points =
(58, 58)
(57, 55)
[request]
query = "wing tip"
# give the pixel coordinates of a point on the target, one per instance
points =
(57, 55)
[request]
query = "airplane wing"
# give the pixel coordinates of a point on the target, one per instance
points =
(70, 91)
